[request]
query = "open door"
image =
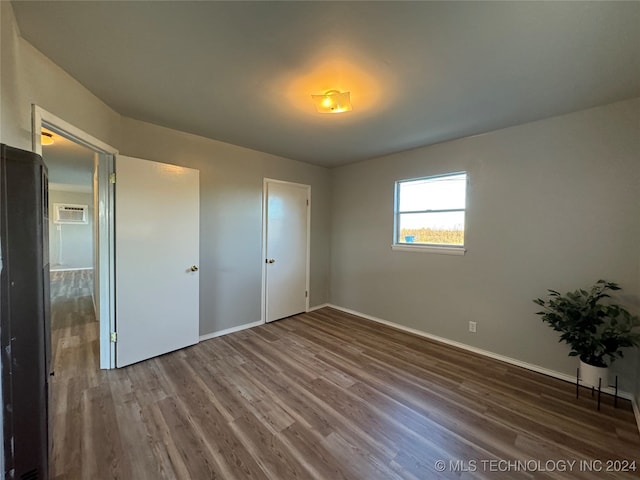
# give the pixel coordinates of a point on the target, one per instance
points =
(157, 252)
(286, 249)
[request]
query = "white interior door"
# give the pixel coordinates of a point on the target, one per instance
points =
(286, 248)
(157, 244)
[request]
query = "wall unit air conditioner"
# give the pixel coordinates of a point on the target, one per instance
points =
(69, 213)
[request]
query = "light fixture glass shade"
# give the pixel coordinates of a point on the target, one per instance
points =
(333, 101)
(46, 138)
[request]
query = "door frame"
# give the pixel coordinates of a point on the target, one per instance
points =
(103, 217)
(265, 183)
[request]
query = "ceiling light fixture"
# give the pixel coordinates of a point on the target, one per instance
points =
(46, 138)
(333, 101)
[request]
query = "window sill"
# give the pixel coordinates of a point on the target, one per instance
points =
(429, 249)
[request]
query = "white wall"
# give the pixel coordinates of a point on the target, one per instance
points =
(70, 245)
(551, 204)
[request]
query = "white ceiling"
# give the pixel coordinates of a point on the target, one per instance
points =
(419, 72)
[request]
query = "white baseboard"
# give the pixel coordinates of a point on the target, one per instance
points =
(480, 351)
(227, 331)
(70, 269)
(248, 325)
(318, 307)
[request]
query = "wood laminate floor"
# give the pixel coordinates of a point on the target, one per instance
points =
(323, 395)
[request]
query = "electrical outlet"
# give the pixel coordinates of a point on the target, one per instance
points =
(472, 327)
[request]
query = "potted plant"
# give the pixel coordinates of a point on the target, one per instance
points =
(596, 332)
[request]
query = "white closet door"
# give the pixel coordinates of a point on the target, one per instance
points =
(287, 211)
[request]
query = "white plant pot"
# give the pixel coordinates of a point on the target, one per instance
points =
(590, 375)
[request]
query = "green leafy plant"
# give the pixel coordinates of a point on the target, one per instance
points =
(595, 331)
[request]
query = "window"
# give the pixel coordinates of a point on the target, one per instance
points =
(430, 211)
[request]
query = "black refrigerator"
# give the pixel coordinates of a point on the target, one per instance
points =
(24, 313)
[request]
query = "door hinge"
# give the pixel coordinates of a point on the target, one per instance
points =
(114, 337)
(306, 294)
(307, 202)
(112, 178)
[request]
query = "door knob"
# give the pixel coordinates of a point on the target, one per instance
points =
(271, 260)
(194, 268)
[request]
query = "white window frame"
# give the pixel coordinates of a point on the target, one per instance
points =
(425, 248)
